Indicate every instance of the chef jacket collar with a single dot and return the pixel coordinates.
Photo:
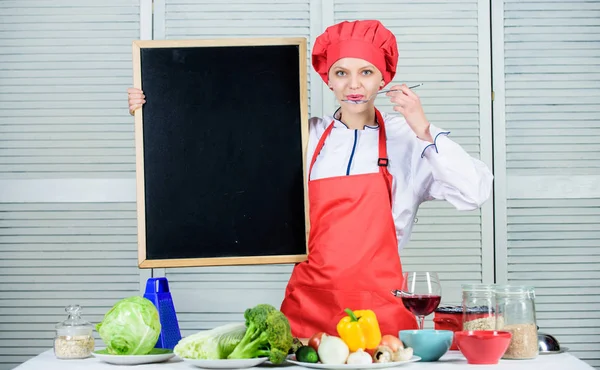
(337, 123)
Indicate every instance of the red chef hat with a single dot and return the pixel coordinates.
(368, 40)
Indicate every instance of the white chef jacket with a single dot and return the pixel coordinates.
(421, 170)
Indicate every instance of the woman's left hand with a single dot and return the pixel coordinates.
(409, 105)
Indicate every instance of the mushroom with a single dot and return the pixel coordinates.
(403, 354)
(383, 354)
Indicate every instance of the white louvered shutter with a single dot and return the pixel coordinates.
(439, 45)
(551, 77)
(64, 69)
(208, 296)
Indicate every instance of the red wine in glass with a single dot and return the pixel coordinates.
(421, 304)
(421, 293)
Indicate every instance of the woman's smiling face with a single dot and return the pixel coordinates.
(355, 79)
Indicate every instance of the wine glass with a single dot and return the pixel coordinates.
(421, 293)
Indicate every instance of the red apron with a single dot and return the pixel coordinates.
(353, 259)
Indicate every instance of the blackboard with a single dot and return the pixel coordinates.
(220, 152)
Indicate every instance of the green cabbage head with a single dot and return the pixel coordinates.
(130, 327)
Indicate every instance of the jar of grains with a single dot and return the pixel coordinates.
(73, 336)
(515, 308)
(478, 307)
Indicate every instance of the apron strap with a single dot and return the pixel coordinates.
(382, 161)
(319, 147)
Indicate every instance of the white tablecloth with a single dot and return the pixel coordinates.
(451, 360)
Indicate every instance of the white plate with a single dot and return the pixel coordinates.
(381, 365)
(157, 356)
(226, 364)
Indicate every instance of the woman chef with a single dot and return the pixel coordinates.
(367, 174)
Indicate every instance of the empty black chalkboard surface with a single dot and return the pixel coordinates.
(220, 149)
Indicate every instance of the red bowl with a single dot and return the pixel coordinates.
(483, 347)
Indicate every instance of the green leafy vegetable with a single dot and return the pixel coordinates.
(268, 334)
(212, 344)
(130, 327)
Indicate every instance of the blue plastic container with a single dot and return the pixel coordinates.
(157, 291)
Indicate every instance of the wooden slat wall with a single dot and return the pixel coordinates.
(64, 69)
(552, 71)
(552, 87)
(54, 255)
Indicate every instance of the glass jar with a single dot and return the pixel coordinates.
(73, 336)
(515, 308)
(478, 307)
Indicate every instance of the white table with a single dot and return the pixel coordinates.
(451, 360)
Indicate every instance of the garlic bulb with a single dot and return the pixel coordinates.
(359, 357)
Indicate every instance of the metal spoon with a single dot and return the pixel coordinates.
(400, 293)
(374, 95)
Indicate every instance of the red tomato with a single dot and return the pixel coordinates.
(391, 341)
(315, 340)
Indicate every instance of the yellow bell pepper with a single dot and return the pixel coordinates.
(359, 329)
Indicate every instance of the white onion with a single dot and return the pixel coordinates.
(333, 350)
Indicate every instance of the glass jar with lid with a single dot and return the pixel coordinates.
(74, 337)
(515, 308)
(478, 307)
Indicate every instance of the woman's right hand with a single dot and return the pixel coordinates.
(136, 99)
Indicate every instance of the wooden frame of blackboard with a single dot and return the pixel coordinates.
(138, 45)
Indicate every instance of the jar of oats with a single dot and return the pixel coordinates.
(515, 308)
(73, 336)
(478, 307)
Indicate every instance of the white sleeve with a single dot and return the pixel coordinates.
(444, 170)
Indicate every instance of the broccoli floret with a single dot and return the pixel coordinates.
(276, 356)
(296, 343)
(268, 334)
(258, 314)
